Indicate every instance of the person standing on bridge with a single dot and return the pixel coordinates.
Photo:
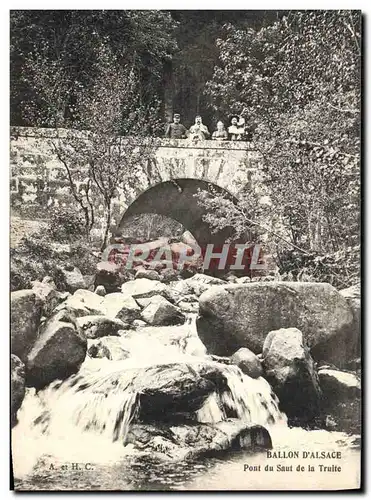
(199, 131)
(176, 130)
(220, 133)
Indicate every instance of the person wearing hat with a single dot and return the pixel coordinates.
(237, 129)
(176, 130)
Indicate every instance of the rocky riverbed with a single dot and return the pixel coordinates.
(195, 372)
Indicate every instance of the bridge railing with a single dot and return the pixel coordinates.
(60, 133)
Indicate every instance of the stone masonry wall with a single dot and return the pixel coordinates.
(38, 180)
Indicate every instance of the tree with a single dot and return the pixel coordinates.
(98, 160)
(68, 40)
(297, 82)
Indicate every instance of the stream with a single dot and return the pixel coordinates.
(69, 436)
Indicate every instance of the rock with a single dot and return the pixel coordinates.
(161, 312)
(231, 278)
(89, 280)
(144, 302)
(243, 280)
(58, 353)
(190, 441)
(353, 292)
(234, 316)
(64, 315)
(122, 307)
(83, 303)
(247, 362)
(91, 300)
(354, 364)
(138, 323)
(94, 327)
(188, 239)
(200, 283)
(353, 296)
(182, 288)
(101, 291)
(108, 347)
(178, 387)
(289, 369)
(164, 390)
(168, 275)
(109, 275)
(49, 296)
(149, 274)
(188, 306)
(339, 386)
(341, 400)
(25, 317)
(74, 279)
(221, 359)
(17, 387)
(49, 280)
(144, 288)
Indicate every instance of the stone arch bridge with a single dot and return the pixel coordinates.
(167, 185)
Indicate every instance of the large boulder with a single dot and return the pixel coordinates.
(25, 311)
(144, 288)
(289, 368)
(108, 347)
(17, 388)
(341, 400)
(94, 327)
(247, 362)
(234, 316)
(57, 353)
(161, 312)
(176, 388)
(164, 390)
(190, 441)
(122, 307)
(339, 386)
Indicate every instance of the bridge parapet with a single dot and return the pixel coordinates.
(38, 179)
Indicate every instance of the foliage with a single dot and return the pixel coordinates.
(97, 160)
(63, 46)
(66, 225)
(38, 256)
(297, 83)
(149, 227)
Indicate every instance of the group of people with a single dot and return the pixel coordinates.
(199, 132)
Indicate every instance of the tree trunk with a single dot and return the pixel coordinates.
(107, 228)
(168, 92)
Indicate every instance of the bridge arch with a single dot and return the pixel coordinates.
(176, 199)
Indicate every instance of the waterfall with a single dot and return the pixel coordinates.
(89, 414)
(250, 400)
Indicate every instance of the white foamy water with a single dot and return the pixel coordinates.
(86, 418)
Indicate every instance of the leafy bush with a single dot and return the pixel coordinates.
(38, 256)
(340, 269)
(66, 224)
